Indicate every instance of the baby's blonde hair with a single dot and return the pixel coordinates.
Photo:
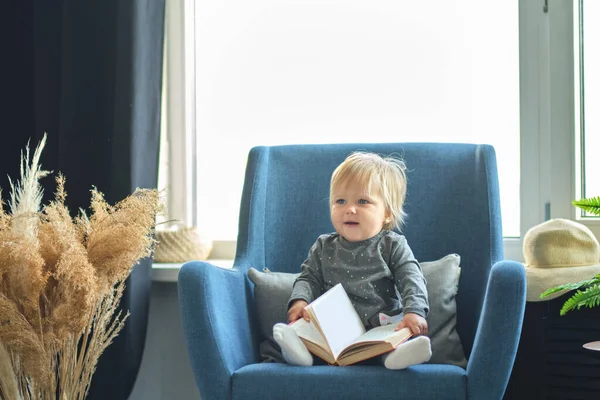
(386, 175)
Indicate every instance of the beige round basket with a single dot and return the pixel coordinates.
(183, 243)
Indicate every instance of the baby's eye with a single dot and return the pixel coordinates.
(363, 201)
(340, 201)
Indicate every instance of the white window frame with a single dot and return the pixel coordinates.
(178, 137)
(547, 136)
(590, 220)
(564, 84)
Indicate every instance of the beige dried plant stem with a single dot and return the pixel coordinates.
(26, 194)
(9, 388)
(61, 282)
(105, 329)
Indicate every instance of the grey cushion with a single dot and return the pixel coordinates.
(273, 289)
(442, 284)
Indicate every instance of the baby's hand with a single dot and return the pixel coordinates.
(415, 323)
(297, 311)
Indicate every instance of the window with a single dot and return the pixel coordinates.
(279, 71)
(587, 95)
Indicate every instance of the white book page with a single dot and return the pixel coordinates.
(381, 333)
(308, 331)
(337, 318)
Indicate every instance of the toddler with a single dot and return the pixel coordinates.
(374, 264)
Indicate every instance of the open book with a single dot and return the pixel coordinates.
(336, 334)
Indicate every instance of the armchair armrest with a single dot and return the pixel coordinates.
(499, 331)
(217, 325)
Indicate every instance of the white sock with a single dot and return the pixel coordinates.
(292, 348)
(412, 352)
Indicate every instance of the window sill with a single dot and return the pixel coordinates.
(168, 272)
(589, 221)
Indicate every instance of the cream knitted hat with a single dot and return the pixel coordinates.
(557, 252)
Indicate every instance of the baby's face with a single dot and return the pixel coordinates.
(355, 215)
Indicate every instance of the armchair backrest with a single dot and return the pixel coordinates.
(452, 204)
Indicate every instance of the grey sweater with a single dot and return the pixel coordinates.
(380, 275)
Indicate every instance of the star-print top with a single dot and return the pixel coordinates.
(380, 275)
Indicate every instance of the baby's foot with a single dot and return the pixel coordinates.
(292, 348)
(415, 351)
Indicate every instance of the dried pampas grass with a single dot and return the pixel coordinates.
(61, 281)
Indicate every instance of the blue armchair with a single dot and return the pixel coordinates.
(453, 206)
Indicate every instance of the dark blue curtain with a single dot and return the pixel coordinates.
(89, 74)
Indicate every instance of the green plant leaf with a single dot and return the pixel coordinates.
(591, 205)
(590, 297)
(571, 286)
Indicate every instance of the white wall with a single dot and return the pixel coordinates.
(165, 373)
